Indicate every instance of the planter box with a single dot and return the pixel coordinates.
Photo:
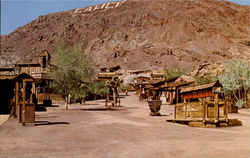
(155, 107)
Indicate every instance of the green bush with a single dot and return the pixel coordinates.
(236, 79)
(241, 104)
(205, 79)
(173, 73)
(98, 88)
(124, 87)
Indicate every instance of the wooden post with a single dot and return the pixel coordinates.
(31, 95)
(171, 96)
(23, 103)
(107, 99)
(175, 111)
(33, 88)
(186, 110)
(140, 91)
(226, 109)
(216, 108)
(204, 110)
(114, 96)
(47, 90)
(177, 95)
(119, 100)
(23, 92)
(17, 101)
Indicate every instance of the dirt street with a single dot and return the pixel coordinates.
(92, 131)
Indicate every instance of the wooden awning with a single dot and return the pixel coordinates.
(10, 77)
(201, 87)
(174, 84)
(108, 75)
(23, 76)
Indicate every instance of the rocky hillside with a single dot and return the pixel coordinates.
(139, 34)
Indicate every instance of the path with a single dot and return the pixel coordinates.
(91, 131)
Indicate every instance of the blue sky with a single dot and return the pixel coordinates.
(15, 13)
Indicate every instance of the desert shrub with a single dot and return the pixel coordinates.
(205, 79)
(241, 103)
(124, 87)
(173, 73)
(236, 79)
(98, 88)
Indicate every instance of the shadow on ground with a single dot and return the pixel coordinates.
(98, 109)
(89, 104)
(38, 116)
(42, 123)
(40, 108)
(104, 108)
(42, 105)
(133, 108)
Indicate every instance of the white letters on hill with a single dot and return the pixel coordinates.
(109, 5)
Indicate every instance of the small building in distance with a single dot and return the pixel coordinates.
(158, 76)
(105, 76)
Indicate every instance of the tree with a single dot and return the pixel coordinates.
(236, 79)
(124, 88)
(98, 89)
(80, 92)
(114, 85)
(71, 69)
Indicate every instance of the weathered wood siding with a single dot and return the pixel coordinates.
(195, 111)
(30, 70)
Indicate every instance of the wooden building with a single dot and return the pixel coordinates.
(105, 76)
(141, 79)
(17, 97)
(168, 87)
(158, 76)
(137, 72)
(172, 90)
(40, 72)
(6, 94)
(203, 105)
(6, 72)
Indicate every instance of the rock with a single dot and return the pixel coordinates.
(154, 34)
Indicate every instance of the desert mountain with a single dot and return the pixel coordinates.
(139, 34)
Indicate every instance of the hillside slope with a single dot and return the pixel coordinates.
(139, 34)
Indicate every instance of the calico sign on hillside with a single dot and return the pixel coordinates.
(109, 5)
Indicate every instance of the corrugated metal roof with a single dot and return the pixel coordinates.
(199, 87)
(174, 84)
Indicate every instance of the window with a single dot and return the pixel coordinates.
(44, 62)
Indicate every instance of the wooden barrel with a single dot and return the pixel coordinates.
(155, 107)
